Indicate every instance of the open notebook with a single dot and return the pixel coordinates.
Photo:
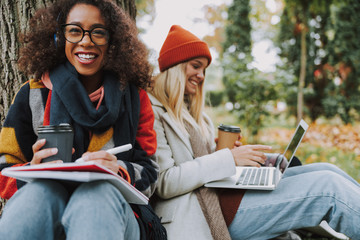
(75, 173)
(264, 178)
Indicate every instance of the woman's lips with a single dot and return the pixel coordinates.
(86, 58)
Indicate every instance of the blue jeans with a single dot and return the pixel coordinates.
(44, 209)
(304, 197)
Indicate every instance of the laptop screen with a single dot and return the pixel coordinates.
(294, 143)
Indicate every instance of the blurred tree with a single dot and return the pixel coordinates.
(324, 34)
(255, 99)
(297, 11)
(344, 59)
(250, 91)
(237, 45)
(216, 15)
(145, 9)
(14, 17)
(214, 98)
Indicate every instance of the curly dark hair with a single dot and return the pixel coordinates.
(126, 56)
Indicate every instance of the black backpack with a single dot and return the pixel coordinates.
(149, 223)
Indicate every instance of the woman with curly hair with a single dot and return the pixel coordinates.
(90, 71)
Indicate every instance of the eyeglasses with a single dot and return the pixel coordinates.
(74, 33)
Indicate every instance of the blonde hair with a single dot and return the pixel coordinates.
(169, 89)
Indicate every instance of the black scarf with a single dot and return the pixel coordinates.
(71, 104)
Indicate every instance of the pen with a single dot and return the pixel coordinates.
(113, 151)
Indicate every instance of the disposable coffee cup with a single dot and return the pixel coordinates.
(60, 137)
(227, 135)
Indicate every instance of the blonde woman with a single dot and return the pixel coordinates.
(186, 154)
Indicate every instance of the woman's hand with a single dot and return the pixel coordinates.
(238, 143)
(40, 154)
(250, 155)
(104, 158)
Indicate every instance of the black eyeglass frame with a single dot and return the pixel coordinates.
(63, 26)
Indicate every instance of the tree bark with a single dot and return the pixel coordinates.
(14, 18)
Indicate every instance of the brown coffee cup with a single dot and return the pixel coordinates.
(227, 135)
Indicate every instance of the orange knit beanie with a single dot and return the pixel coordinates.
(180, 46)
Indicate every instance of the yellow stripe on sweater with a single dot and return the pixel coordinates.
(10, 147)
(98, 141)
(36, 84)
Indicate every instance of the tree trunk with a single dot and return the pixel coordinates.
(303, 59)
(14, 18)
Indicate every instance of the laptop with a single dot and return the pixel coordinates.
(264, 178)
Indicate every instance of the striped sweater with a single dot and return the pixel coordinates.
(26, 114)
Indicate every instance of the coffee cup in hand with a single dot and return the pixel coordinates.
(60, 137)
(227, 135)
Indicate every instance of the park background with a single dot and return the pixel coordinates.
(274, 62)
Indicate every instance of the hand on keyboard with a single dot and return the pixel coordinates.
(250, 155)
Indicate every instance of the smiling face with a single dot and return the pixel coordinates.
(85, 56)
(195, 74)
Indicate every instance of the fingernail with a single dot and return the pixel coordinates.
(54, 150)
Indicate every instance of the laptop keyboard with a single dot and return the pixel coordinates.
(254, 176)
